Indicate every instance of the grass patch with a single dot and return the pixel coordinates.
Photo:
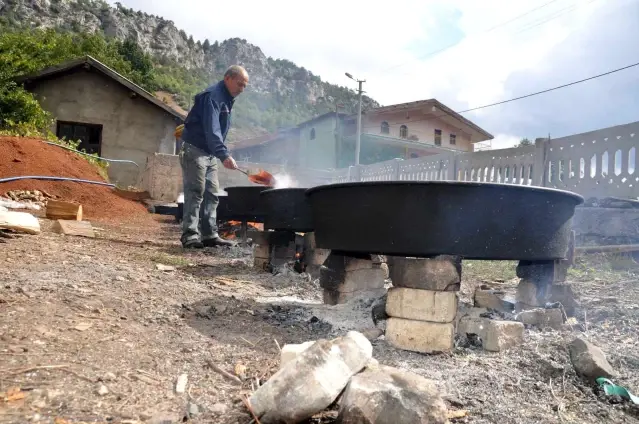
(166, 259)
(604, 266)
(489, 270)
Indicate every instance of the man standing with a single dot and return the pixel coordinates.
(204, 134)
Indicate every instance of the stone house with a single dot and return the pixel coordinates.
(108, 113)
(405, 131)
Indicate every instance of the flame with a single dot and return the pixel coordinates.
(231, 227)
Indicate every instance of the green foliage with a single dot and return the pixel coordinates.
(24, 50)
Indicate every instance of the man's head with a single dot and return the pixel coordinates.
(236, 79)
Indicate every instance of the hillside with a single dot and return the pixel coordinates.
(281, 93)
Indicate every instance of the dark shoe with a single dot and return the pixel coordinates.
(218, 241)
(193, 244)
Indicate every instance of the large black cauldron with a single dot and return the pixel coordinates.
(421, 219)
(243, 203)
(287, 209)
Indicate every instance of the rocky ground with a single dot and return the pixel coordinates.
(101, 330)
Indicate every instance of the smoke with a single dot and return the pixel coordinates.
(284, 181)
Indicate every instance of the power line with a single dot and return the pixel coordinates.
(508, 100)
(521, 97)
(440, 50)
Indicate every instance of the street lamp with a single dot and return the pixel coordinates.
(359, 117)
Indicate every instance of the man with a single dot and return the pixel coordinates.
(203, 136)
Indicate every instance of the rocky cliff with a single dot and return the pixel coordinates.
(276, 84)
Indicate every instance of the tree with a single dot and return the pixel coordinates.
(140, 61)
(207, 45)
(524, 142)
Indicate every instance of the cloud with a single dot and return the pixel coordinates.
(388, 44)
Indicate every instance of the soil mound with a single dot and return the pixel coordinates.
(31, 157)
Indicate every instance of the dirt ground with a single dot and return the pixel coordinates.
(92, 331)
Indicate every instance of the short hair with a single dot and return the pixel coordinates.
(235, 71)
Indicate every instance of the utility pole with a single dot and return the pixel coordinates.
(358, 138)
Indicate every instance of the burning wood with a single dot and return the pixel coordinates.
(230, 230)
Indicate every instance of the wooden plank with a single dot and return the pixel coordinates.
(57, 209)
(19, 221)
(74, 228)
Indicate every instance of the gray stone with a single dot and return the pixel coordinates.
(589, 360)
(311, 381)
(386, 395)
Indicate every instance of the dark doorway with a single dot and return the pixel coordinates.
(90, 135)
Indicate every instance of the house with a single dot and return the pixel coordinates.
(406, 131)
(111, 115)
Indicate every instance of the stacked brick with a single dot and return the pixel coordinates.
(343, 278)
(422, 304)
(313, 256)
(272, 248)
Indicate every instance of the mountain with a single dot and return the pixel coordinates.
(280, 94)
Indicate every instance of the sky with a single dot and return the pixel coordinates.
(464, 53)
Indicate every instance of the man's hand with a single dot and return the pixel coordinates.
(229, 163)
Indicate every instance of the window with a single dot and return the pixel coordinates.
(385, 128)
(403, 131)
(453, 139)
(438, 137)
(90, 135)
(312, 134)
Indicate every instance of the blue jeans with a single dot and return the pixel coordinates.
(200, 181)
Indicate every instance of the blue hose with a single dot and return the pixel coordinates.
(87, 154)
(77, 180)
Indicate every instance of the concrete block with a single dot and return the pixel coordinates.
(442, 273)
(260, 263)
(260, 251)
(526, 297)
(543, 318)
(564, 294)
(349, 281)
(421, 305)
(496, 335)
(420, 336)
(492, 299)
(335, 297)
(316, 256)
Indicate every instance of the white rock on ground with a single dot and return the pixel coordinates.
(290, 351)
(311, 381)
(386, 395)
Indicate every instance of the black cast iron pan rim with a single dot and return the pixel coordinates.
(281, 190)
(254, 187)
(543, 190)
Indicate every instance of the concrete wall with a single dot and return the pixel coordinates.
(132, 129)
(418, 124)
(320, 153)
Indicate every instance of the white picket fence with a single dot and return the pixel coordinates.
(599, 164)
(595, 164)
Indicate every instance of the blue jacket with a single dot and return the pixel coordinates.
(209, 120)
